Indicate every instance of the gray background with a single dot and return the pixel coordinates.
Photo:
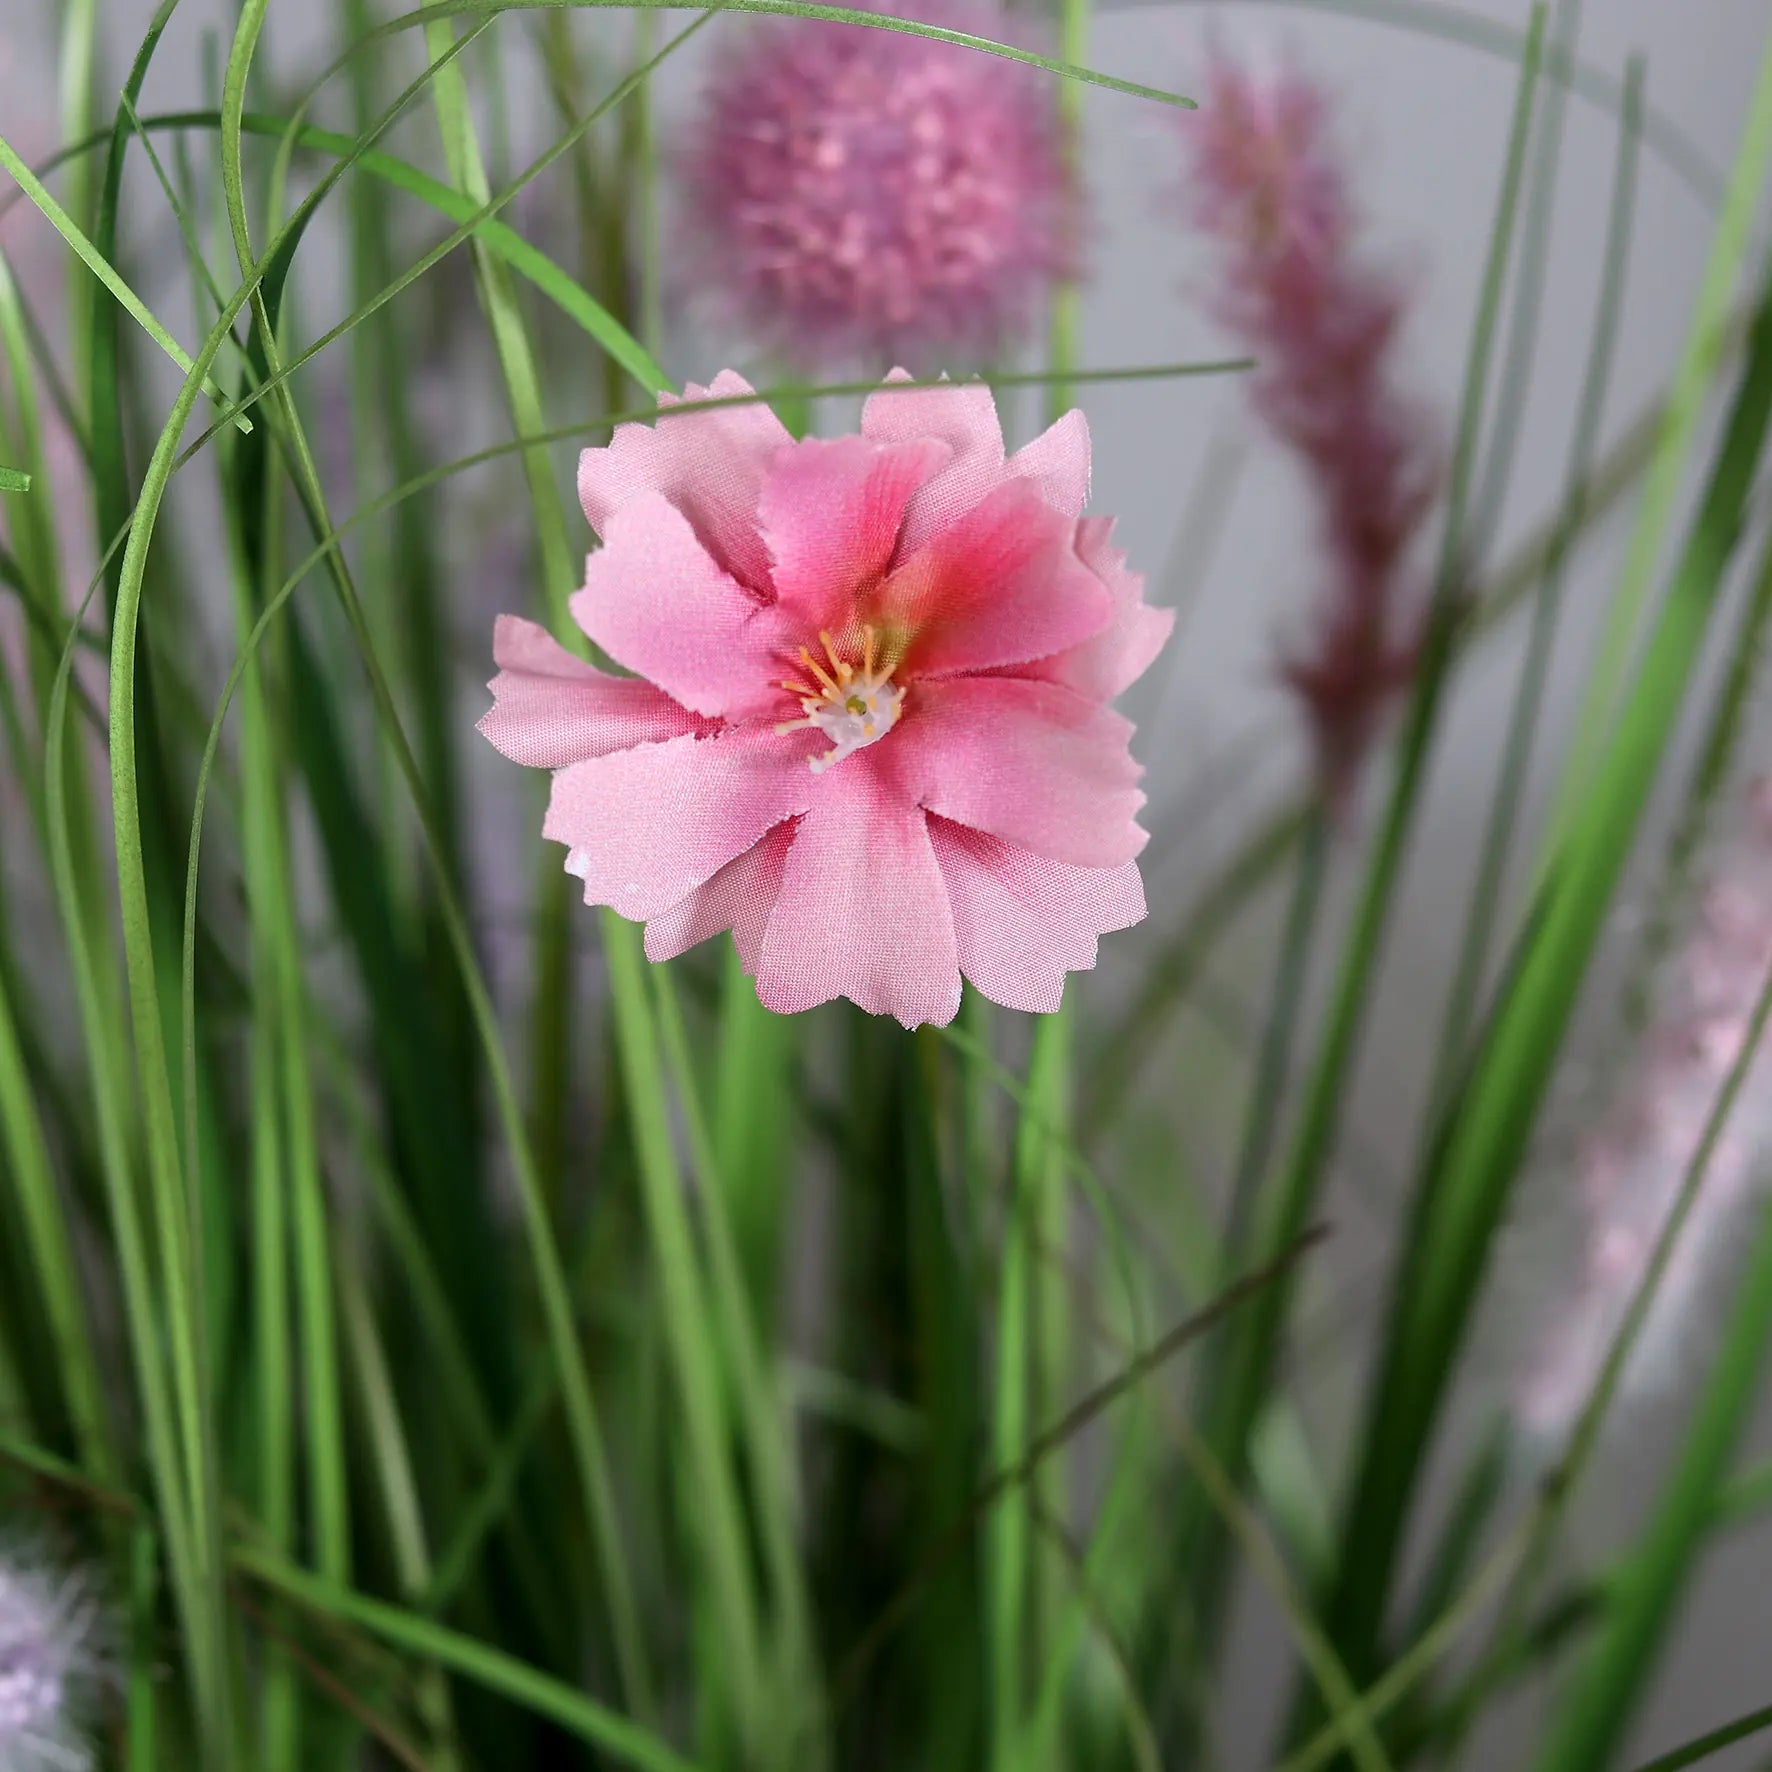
(1424, 125)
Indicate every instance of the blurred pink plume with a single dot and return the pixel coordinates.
(1633, 1164)
(862, 196)
(1267, 184)
(868, 728)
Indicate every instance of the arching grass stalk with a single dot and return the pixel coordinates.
(1288, 1204)
(1700, 364)
(1523, 717)
(1463, 1193)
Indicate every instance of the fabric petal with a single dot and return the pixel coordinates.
(657, 603)
(863, 912)
(1057, 462)
(831, 512)
(1032, 763)
(964, 416)
(551, 709)
(1002, 585)
(1114, 659)
(710, 465)
(646, 827)
(1021, 921)
(739, 897)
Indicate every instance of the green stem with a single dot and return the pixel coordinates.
(1699, 366)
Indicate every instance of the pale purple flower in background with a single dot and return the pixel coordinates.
(54, 1664)
(1632, 1165)
(862, 197)
(1267, 184)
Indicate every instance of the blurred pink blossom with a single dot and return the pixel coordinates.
(1323, 323)
(869, 729)
(1633, 1164)
(863, 196)
(54, 1664)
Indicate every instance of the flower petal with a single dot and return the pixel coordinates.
(646, 827)
(964, 416)
(1057, 461)
(710, 465)
(739, 897)
(1021, 921)
(1000, 586)
(1032, 763)
(863, 912)
(1120, 654)
(551, 709)
(831, 512)
(655, 602)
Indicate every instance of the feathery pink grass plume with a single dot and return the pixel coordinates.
(862, 196)
(869, 730)
(1633, 1164)
(54, 1665)
(1268, 185)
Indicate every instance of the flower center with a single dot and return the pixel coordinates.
(852, 706)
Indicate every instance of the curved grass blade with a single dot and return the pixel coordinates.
(1284, 1209)
(1662, 134)
(845, 15)
(1700, 363)
(624, 1741)
(1523, 717)
(1462, 1198)
(101, 268)
(1712, 1742)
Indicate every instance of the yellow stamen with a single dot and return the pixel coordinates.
(819, 672)
(794, 687)
(844, 669)
(867, 650)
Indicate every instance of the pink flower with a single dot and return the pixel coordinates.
(862, 195)
(1268, 185)
(1632, 1165)
(868, 729)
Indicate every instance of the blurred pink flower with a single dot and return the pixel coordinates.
(1268, 185)
(1633, 1164)
(55, 1664)
(868, 731)
(866, 196)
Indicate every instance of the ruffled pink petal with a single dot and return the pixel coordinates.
(1002, 585)
(1032, 763)
(964, 416)
(863, 912)
(646, 827)
(831, 512)
(1021, 921)
(1057, 461)
(656, 603)
(551, 709)
(739, 897)
(710, 465)
(1120, 654)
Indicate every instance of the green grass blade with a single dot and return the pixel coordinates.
(94, 260)
(1711, 1742)
(1612, 1681)
(1595, 85)
(51, 1251)
(626, 1742)
(1460, 1204)
(803, 9)
(1289, 1203)
(1693, 380)
(1522, 724)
